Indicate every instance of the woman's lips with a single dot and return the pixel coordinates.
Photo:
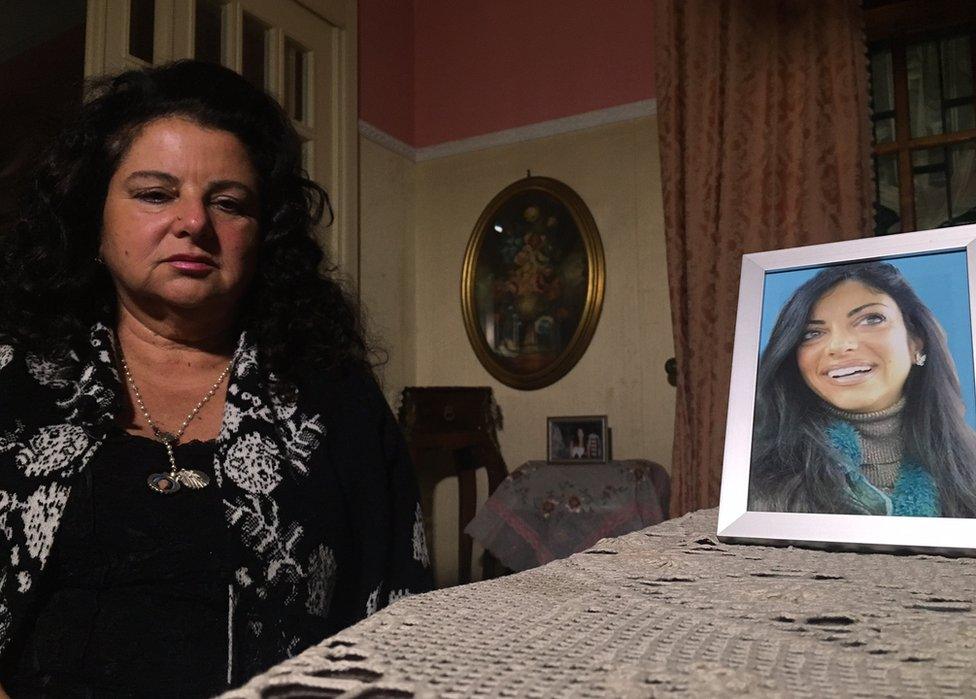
(849, 375)
(191, 266)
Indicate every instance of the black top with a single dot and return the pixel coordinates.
(137, 600)
(321, 524)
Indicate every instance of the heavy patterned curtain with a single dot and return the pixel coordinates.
(765, 143)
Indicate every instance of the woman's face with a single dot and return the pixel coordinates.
(856, 352)
(180, 221)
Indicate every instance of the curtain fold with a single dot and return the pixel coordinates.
(765, 135)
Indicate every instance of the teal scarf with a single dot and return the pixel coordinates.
(915, 494)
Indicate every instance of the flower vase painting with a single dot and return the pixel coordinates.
(532, 285)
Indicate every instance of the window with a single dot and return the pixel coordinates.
(924, 115)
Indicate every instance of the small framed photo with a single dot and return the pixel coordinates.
(577, 439)
(852, 405)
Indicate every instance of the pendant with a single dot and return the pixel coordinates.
(191, 478)
(164, 483)
(168, 483)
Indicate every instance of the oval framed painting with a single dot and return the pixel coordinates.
(532, 283)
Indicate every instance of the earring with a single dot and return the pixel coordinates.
(920, 358)
(99, 260)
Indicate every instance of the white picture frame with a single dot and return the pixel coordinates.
(736, 522)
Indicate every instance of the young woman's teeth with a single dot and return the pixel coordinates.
(847, 371)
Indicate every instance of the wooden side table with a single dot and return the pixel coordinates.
(460, 422)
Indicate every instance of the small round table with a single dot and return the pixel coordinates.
(545, 511)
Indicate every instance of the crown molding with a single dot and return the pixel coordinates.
(380, 137)
(531, 132)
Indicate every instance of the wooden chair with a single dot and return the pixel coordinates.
(459, 422)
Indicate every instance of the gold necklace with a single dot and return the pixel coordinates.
(168, 483)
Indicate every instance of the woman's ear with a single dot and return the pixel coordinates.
(916, 350)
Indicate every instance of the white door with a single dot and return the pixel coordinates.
(301, 51)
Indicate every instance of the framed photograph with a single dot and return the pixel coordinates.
(532, 283)
(577, 439)
(852, 406)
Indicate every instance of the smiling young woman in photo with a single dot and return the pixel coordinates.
(858, 406)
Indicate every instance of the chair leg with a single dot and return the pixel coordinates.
(488, 566)
(467, 497)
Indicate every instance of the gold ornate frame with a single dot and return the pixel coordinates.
(596, 274)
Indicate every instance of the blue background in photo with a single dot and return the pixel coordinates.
(939, 279)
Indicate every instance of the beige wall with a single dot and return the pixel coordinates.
(386, 205)
(616, 170)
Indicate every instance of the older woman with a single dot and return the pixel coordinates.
(858, 406)
(198, 474)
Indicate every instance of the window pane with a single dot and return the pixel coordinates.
(254, 51)
(957, 83)
(957, 68)
(962, 192)
(929, 174)
(882, 81)
(882, 96)
(960, 118)
(884, 130)
(296, 72)
(887, 209)
(924, 90)
(142, 23)
(209, 31)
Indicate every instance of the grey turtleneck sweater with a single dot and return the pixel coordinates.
(880, 435)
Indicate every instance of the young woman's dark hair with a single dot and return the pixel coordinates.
(52, 289)
(796, 468)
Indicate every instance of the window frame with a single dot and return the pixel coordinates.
(896, 26)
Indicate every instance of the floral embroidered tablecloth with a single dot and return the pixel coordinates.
(544, 511)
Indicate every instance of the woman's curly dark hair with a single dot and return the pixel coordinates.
(52, 289)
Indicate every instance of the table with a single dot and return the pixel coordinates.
(668, 611)
(457, 422)
(544, 511)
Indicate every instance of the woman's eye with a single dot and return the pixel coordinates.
(153, 196)
(231, 206)
(872, 319)
(810, 335)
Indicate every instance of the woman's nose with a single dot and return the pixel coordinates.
(191, 218)
(841, 341)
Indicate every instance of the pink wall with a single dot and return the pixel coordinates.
(386, 66)
(481, 66)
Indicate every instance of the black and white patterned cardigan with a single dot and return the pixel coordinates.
(276, 452)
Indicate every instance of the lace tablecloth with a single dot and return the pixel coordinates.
(665, 612)
(543, 511)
